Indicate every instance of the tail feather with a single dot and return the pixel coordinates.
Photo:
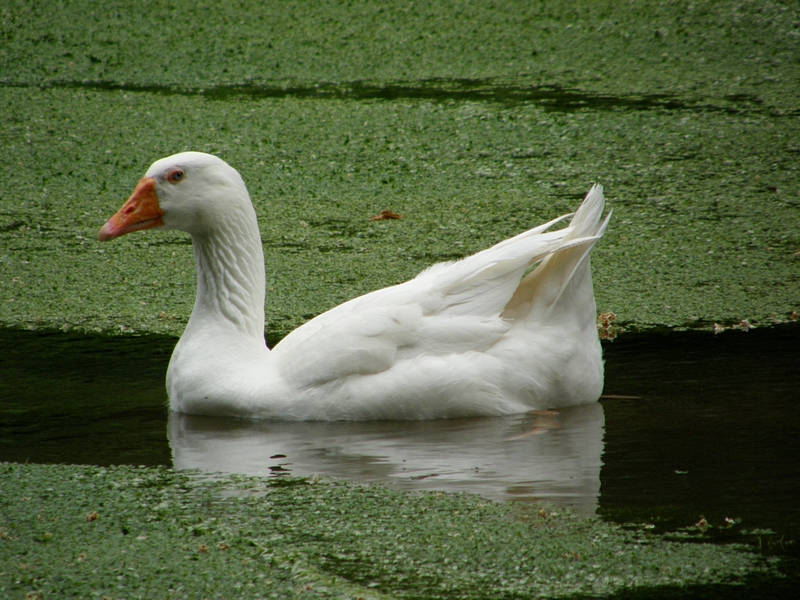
(543, 288)
(586, 221)
(491, 282)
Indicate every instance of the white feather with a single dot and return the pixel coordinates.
(472, 337)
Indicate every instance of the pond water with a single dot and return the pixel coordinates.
(692, 425)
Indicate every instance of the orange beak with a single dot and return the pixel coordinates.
(141, 211)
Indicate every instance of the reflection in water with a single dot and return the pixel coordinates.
(544, 455)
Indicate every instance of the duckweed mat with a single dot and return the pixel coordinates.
(126, 532)
(684, 249)
(472, 121)
(734, 52)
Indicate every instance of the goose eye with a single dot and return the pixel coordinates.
(176, 176)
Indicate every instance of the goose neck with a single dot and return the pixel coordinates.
(230, 280)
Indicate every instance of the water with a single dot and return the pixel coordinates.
(700, 425)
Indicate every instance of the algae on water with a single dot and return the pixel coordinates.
(704, 227)
(475, 121)
(142, 533)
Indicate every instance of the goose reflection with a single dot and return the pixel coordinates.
(542, 455)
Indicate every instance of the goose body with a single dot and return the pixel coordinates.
(467, 338)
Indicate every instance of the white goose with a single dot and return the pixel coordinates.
(466, 338)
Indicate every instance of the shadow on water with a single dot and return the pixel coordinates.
(549, 97)
(716, 432)
(83, 399)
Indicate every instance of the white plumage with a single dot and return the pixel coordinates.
(472, 337)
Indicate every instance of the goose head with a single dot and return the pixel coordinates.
(190, 191)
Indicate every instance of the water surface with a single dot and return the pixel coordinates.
(707, 425)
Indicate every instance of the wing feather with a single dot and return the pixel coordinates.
(450, 308)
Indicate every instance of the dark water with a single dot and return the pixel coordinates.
(710, 427)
